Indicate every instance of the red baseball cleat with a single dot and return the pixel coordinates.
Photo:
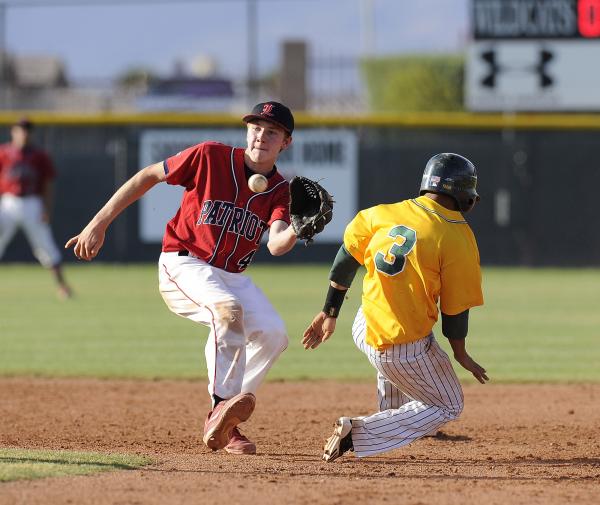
(239, 444)
(218, 428)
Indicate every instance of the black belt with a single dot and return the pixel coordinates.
(183, 253)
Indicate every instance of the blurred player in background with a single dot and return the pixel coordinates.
(26, 174)
(207, 245)
(417, 253)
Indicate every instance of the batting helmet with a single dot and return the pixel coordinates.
(453, 175)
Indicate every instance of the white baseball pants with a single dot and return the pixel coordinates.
(418, 392)
(246, 333)
(26, 212)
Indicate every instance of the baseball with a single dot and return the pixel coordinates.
(258, 183)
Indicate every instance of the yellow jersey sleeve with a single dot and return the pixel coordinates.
(357, 235)
(460, 272)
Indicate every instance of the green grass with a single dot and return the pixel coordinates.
(538, 325)
(25, 464)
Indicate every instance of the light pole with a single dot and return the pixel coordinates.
(368, 27)
(3, 57)
(252, 50)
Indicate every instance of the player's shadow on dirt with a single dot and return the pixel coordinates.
(444, 437)
(440, 436)
(513, 463)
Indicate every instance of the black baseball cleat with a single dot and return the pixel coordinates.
(341, 440)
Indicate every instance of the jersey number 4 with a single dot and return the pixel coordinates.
(246, 260)
(396, 252)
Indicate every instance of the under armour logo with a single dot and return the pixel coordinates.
(539, 68)
(267, 109)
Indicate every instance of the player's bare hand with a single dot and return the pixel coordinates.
(321, 328)
(88, 243)
(472, 366)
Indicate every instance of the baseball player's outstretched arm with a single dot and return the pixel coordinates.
(282, 238)
(321, 328)
(87, 244)
(341, 276)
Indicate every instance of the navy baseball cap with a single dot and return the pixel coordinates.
(24, 123)
(274, 112)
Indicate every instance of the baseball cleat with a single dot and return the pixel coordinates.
(341, 440)
(239, 444)
(225, 417)
(64, 292)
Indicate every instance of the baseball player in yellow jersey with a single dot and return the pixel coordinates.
(417, 253)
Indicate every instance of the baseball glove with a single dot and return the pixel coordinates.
(311, 208)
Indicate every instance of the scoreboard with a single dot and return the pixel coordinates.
(534, 55)
(536, 19)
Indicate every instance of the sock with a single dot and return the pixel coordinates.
(217, 400)
(346, 443)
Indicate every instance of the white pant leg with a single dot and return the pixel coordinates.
(9, 220)
(194, 289)
(266, 336)
(388, 395)
(423, 372)
(38, 232)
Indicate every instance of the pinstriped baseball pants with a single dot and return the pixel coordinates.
(418, 392)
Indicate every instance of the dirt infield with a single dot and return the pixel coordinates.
(514, 444)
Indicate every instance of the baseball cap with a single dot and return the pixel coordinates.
(24, 123)
(274, 112)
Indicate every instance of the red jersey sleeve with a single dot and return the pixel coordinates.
(181, 169)
(45, 166)
(2, 165)
(281, 207)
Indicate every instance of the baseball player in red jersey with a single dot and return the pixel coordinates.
(26, 174)
(206, 247)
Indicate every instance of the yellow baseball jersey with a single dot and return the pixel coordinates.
(416, 253)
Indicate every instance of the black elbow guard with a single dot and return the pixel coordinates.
(455, 327)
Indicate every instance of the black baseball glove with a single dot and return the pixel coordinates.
(311, 208)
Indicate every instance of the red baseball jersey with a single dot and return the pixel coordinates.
(24, 172)
(220, 219)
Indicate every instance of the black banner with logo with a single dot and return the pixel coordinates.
(535, 19)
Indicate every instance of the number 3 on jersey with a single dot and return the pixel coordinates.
(396, 251)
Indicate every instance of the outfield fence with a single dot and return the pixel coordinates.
(537, 176)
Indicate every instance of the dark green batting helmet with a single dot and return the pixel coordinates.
(454, 175)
